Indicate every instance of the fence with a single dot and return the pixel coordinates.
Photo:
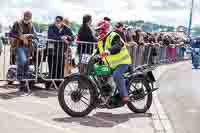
(52, 60)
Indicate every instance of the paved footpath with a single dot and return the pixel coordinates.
(41, 113)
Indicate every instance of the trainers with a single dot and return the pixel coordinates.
(22, 93)
(22, 87)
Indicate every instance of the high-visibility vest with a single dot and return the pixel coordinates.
(115, 60)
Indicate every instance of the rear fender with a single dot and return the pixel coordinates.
(148, 76)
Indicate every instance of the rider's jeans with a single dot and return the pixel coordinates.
(22, 62)
(119, 79)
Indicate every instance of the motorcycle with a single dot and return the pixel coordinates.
(97, 89)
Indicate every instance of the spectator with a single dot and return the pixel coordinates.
(69, 62)
(1, 39)
(62, 36)
(131, 43)
(22, 33)
(1, 46)
(130, 35)
(139, 39)
(85, 34)
(119, 28)
(171, 52)
(163, 49)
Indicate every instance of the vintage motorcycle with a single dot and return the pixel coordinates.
(81, 93)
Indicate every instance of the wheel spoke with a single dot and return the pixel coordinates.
(85, 98)
(77, 106)
(70, 87)
(77, 96)
(84, 102)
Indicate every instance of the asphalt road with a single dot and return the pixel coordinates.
(177, 101)
(41, 113)
(180, 96)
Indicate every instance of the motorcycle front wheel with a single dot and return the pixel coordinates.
(77, 96)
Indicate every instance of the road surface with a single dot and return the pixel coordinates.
(180, 96)
(175, 109)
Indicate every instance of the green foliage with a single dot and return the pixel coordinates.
(196, 31)
(149, 26)
(74, 26)
(40, 27)
(146, 26)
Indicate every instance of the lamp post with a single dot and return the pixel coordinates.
(190, 20)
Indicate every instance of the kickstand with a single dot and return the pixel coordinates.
(56, 86)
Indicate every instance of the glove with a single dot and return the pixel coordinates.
(105, 54)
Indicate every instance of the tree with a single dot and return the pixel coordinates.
(40, 27)
(196, 31)
(170, 29)
(74, 26)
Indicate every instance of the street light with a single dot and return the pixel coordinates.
(190, 20)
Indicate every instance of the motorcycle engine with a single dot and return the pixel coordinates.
(106, 88)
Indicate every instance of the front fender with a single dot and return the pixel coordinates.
(85, 78)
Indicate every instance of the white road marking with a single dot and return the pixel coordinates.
(35, 120)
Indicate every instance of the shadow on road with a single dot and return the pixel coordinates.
(12, 92)
(45, 93)
(102, 119)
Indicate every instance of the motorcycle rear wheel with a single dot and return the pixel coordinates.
(141, 96)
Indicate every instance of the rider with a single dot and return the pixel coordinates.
(115, 54)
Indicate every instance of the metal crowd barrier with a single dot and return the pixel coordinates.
(52, 60)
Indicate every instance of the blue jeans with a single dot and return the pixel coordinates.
(119, 79)
(22, 62)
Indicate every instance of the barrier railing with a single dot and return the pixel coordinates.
(52, 60)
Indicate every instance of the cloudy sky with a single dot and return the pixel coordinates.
(169, 12)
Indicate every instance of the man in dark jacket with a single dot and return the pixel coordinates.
(60, 35)
(22, 33)
(120, 29)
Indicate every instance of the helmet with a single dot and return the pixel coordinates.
(103, 28)
(103, 25)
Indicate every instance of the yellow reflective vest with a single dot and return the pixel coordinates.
(115, 60)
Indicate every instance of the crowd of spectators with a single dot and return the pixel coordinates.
(144, 47)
